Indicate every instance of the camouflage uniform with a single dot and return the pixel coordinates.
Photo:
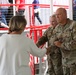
(54, 57)
(67, 35)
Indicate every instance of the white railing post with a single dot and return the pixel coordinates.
(14, 13)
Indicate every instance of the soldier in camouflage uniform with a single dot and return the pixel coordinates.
(54, 57)
(65, 39)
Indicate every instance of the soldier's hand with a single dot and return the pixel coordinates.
(57, 43)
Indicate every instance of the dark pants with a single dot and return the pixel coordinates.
(3, 14)
(37, 16)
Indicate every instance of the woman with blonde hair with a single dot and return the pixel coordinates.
(15, 49)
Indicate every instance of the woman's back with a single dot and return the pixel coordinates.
(15, 51)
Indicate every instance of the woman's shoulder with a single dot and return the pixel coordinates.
(27, 39)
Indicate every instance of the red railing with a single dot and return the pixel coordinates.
(36, 30)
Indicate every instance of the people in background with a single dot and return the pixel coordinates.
(15, 49)
(65, 33)
(54, 57)
(4, 11)
(20, 8)
(36, 11)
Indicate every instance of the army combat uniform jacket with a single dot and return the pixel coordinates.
(54, 57)
(67, 35)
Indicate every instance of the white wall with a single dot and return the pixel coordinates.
(64, 3)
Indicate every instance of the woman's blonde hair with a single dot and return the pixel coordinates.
(17, 23)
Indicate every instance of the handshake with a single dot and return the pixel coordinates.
(48, 50)
(57, 44)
